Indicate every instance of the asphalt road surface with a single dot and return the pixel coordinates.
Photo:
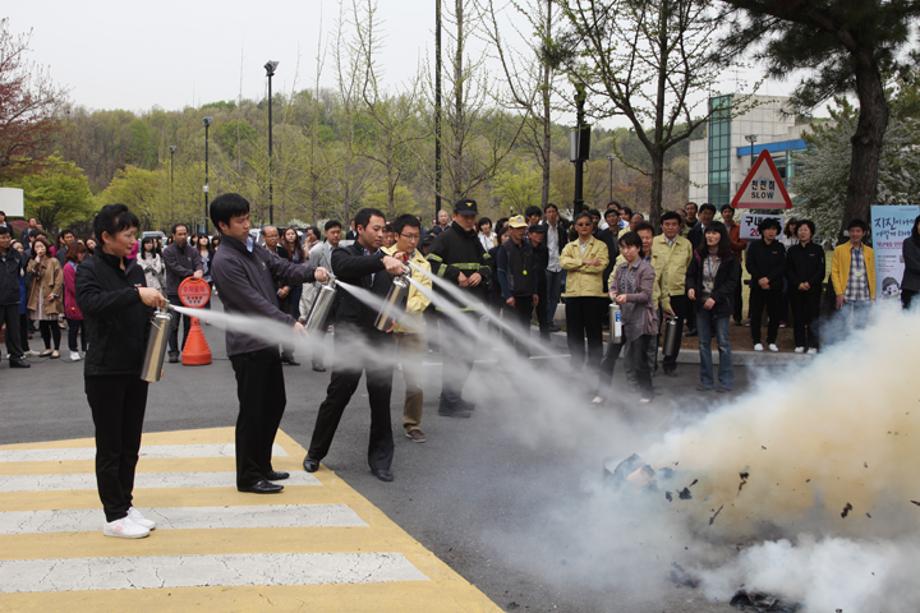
(488, 495)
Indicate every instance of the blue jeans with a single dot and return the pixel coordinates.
(706, 324)
(856, 314)
(554, 281)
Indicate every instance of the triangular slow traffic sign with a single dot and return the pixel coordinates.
(762, 188)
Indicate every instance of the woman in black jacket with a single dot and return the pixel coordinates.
(805, 272)
(910, 284)
(116, 309)
(712, 276)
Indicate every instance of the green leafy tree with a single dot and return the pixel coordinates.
(58, 195)
(144, 191)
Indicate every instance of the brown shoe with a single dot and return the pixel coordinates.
(416, 436)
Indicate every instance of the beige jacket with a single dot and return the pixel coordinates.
(47, 280)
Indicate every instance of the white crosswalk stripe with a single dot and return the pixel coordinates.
(86, 481)
(72, 454)
(148, 572)
(185, 518)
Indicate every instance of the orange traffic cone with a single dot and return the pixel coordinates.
(196, 351)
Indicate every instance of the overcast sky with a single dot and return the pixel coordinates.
(136, 55)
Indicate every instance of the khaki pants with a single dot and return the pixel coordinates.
(411, 349)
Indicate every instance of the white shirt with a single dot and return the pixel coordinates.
(552, 245)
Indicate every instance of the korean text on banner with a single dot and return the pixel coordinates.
(891, 224)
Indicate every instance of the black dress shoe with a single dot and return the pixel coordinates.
(384, 474)
(318, 368)
(290, 362)
(277, 475)
(20, 363)
(310, 465)
(173, 358)
(262, 487)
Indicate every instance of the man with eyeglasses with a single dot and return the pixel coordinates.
(410, 343)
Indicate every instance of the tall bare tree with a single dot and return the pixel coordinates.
(529, 74)
(395, 116)
(651, 61)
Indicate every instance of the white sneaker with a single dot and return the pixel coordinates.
(800, 349)
(772, 347)
(645, 400)
(135, 516)
(597, 400)
(124, 528)
(758, 347)
(812, 351)
(75, 356)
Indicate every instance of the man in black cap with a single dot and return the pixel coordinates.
(458, 256)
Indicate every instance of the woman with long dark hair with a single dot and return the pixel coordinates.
(910, 284)
(151, 262)
(76, 253)
(712, 276)
(45, 295)
(290, 248)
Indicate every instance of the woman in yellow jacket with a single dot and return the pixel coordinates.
(584, 261)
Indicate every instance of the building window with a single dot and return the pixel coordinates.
(720, 119)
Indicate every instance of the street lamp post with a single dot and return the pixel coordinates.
(751, 138)
(207, 124)
(437, 107)
(579, 146)
(172, 200)
(270, 67)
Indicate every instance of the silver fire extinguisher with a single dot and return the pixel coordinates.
(671, 339)
(394, 304)
(322, 304)
(152, 370)
(616, 323)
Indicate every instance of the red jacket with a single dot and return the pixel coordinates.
(71, 308)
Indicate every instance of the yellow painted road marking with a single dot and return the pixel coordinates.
(442, 590)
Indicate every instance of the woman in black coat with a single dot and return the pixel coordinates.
(116, 309)
(910, 284)
(805, 272)
(712, 276)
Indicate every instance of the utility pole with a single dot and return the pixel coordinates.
(172, 200)
(437, 107)
(610, 177)
(207, 124)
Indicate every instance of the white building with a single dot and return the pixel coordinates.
(721, 159)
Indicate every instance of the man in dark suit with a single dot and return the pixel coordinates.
(363, 264)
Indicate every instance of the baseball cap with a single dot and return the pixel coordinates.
(466, 206)
(517, 222)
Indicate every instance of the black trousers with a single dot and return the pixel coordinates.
(24, 332)
(907, 296)
(50, 331)
(806, 306)
(118, 403)
(636, 355)
(173, 341)
(456, 364)
(737, 306)
(681, 307)
(260, 390)
(74, 328)
(523, 312)
(9, 315)
(584, 319)
(774, 301)
(342, 386)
